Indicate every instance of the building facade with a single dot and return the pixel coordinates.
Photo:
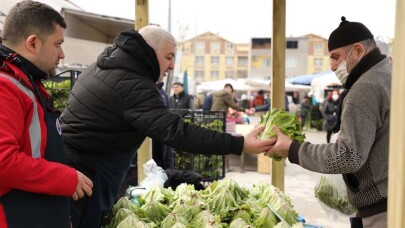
(209, 57)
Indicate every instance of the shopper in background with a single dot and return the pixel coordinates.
(330, 110)
(222, 100)
(180, 99)
(360, 152)
(305, 110)
(114, 105)
(34, 183)
(259, 99)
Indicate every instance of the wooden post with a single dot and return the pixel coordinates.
(278, 45)
(145, 151)
(396, 180)
(141, 13)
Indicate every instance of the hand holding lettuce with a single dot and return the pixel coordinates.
(286, 122)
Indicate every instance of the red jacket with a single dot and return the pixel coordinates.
(19, 168)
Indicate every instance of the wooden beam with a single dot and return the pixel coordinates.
(396, 178)
(141, 13)
(278, 45)
(145, 151)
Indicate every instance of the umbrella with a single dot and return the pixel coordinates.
(185, 81)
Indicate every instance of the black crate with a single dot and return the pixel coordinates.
(210, 167)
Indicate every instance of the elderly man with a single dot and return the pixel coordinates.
(360, 152)
(115, 104)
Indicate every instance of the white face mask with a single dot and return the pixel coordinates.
(335, 97)
(341, 71)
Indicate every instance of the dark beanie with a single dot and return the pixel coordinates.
(348, 33)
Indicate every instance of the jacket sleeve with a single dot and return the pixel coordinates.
(231, 103)
(146, 113)
(351, 150)
(18, 169)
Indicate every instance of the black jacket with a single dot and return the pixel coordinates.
(115, 104)
(182, 101)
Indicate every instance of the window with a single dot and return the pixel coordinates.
(318, 47)
(200, 45)
(242, 61)
(199, 74)
(266, 62)
(228, 74)
(214, 74)
(242, 74)
(318, 62)
(214, 60)
(199, 59)
(214, 45)
(292, 44)
(229, 61)
(229, 46)
(291, 63)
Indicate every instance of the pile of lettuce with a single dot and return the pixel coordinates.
(288, 124)
(222, 204)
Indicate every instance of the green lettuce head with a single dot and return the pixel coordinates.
(288, 124)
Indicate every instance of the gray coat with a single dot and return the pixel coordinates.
(361, 150)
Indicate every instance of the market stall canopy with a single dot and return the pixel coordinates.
(306, 79)
(326, 80)
(217, 85)
(258, 84)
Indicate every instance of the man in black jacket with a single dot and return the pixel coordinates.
(181, 99)
(114, 105)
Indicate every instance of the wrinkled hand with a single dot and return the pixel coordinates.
(84, 186)
(282, 145)
(254, 145)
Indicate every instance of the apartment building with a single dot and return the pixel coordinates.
(209, 57)
(304, 55)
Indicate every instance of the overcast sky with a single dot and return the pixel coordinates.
(239, 20)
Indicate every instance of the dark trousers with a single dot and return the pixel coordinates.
(328, 135)
(107, 173)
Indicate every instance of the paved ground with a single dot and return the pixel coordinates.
(299, 185)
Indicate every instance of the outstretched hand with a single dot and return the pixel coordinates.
(254, 145)
(282, 145)
(84, 186)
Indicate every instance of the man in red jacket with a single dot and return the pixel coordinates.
(34, 184)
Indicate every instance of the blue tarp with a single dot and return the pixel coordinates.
(306, 79)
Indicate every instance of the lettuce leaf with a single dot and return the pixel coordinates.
(288, 124)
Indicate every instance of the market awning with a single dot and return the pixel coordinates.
(94, 24)
(306, 79)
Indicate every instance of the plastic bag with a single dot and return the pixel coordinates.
(155, 175)
(332, 195)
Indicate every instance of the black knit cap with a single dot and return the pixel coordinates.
(348, 33)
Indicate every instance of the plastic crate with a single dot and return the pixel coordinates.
(210, 167)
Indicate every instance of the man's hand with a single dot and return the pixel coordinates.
(254, 145)
(84, 186)
(281, 147)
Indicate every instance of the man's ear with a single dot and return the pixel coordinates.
(32, 44)
(359, 49)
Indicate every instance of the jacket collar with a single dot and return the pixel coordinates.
(8, 55)
(371, 59)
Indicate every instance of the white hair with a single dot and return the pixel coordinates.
(156, 36)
